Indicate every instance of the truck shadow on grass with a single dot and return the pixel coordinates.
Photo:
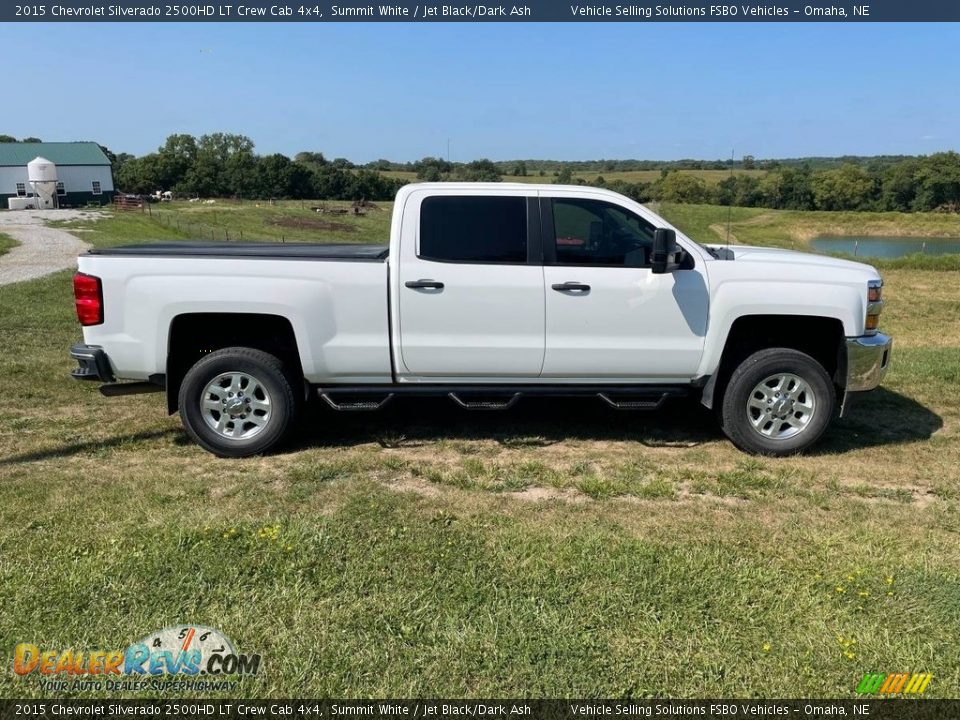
(533, 422)
(882, 417)
(88, 446)
(875, 419)
(879, 418)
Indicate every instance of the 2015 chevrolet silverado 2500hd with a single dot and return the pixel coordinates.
(486, 293)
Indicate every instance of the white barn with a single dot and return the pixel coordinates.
(83, 171)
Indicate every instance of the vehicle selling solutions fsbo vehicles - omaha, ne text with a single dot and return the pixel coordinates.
(486, 293)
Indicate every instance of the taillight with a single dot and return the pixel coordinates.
(88, 296)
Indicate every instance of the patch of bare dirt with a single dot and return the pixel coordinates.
(312, 224)
(721, 232)
(546, 494)
(685, 494)
(420, 487)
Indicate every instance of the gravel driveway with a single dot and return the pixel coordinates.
(42, 250)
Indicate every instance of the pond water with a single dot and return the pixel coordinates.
(886, 247)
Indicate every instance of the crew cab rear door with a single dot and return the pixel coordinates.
(470, 294)
(608, 315)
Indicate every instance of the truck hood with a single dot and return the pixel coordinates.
(752, 253)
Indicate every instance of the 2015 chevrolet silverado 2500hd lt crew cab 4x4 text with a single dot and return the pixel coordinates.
(485, 293)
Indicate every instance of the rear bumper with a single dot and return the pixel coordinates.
(92, 363)
(868, 358)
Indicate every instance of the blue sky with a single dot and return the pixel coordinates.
(562, 91)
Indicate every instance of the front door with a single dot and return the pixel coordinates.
(470, 291)
(607, 315)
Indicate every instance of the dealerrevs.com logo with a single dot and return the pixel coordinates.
(181, 657)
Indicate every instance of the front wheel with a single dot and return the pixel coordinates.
(778, 402)
(237, 402)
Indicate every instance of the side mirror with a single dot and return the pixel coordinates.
(667, 255)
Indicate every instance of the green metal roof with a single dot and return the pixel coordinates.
(59, 153)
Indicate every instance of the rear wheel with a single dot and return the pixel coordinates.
(778, 402)
(237, 402)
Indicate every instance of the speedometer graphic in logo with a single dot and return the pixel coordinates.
(184, 638)
(186, 649)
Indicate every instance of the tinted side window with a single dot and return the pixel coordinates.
(594, 232)
(474, 229)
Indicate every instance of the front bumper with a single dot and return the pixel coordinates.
(93, 363)
(868, 358)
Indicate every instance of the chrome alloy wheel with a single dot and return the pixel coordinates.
(781, 406)
(235, 405)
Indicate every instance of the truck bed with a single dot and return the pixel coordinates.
(333, 296)
(274, 251)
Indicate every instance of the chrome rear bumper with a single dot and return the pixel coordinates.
(868, 358)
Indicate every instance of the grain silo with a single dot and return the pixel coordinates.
(42, 176)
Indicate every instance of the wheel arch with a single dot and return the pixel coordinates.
(193, 335)
(821, 337)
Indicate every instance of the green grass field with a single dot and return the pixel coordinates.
(7, 243)
(281, 221)
(560, 549)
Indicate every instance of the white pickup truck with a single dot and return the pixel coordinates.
(487, 292)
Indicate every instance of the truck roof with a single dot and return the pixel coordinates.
(528, 188)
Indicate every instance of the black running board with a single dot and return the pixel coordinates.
(487, 402)
(635, 403)
(358, 403)
(498, 397)
(130, 388)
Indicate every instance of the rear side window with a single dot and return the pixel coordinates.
(473, 229)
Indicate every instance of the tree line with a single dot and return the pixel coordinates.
(746, 162)
(12, 139)
(905, 184)
(226, 165)
(919, 184)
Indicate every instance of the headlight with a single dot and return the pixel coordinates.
(874, 306)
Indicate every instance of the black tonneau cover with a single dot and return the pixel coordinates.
(300, 251)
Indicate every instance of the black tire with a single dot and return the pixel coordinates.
(799, 429)
(264, 418)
